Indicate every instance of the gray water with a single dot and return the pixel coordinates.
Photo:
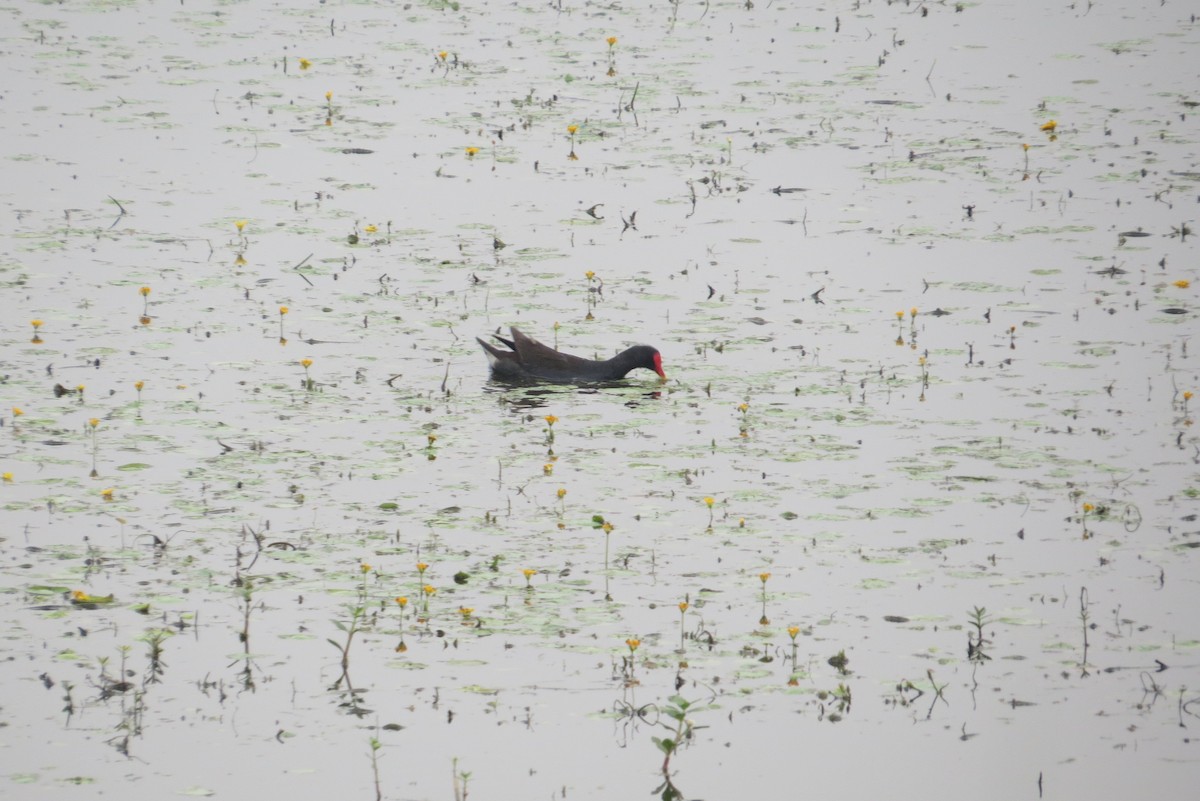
(774, 189)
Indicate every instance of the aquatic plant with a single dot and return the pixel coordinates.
(678, 709)
(976, 644)
(402, 602)
(357, 614)
(154, 645)
(529, 573)
(376, 745)
(683, 607)
(94, 423)
(308, 382)
(461, 779)
(764, 577)
(571, 131)
(627, 661)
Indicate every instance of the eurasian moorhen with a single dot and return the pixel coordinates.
(528, 358)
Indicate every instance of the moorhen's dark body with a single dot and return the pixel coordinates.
(526, 358)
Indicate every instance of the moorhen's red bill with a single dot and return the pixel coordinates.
(527, 358)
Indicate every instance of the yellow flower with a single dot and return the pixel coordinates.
(921, 360)
(240, 261)
(547, 468)
(1087, 507)
(612, 41)
(793, 631)
(305, 63)
(364, 567)
(743, 407)
(471, 151)
(429, 589)
(7, 477)
(306, 362)
(763, 577)
(36, 323)
(590, 275)
(741, 522)
(1187, 395)
(239, 224)
(633, 644)
(529, 573)
(145, 291)
(283, 310)
(17, 412)
(683, 606)
(370, 229)
(1049, 125)
(329, 95)
(421, 567)
(138, 385)
(709, 502)
(95, 421)
(571, 129)
(551, 419)
(913, 311)
(608, 527)
(107, 494)
(79, 387)
(81, 597)
(442, 55)
(899, 315)
(465, 611)
(403, 601)
(1025, 146)
(1183, 283)
(562, 493)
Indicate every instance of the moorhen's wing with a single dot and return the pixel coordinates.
(543, 360)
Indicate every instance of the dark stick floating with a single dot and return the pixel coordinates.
(527, 358)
